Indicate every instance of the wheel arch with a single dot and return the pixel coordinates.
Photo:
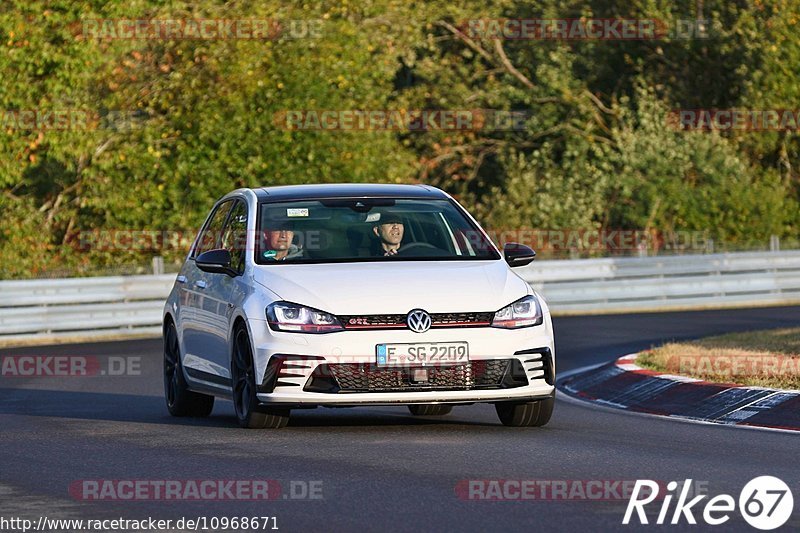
(238, 321)
(168, 318)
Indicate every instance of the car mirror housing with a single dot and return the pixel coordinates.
(216, 262)
(518, 254)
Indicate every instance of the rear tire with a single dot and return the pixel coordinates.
(529, 414)
(430, 410)
(180, 400)
(249, 413)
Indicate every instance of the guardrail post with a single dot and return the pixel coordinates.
(774, 243)
(158, 265)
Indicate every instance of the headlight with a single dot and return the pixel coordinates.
(523, 313)
(285, 316)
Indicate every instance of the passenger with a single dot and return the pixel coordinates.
(278, 244)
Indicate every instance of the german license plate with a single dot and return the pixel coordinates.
(422, 353)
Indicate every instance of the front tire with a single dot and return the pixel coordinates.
(529, 414)
(248, 411)
(430, 410)
(180, 400)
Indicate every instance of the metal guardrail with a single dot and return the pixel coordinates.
(664, 283)
(121, 305)
(82, 307)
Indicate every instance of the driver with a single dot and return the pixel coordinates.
(389, 229)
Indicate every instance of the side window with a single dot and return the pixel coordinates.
(234, 237)
(209, 237)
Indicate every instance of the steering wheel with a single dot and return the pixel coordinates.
(403, 250)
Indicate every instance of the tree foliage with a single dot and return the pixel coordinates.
(181, 122)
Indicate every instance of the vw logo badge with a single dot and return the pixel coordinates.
(418, 321)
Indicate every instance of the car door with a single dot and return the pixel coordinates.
(199, 319)
(224, 292)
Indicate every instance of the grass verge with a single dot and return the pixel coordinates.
(767, 358)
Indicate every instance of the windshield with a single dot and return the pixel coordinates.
(373, 229)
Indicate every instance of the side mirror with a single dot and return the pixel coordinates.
(518, 254)
(216, 262)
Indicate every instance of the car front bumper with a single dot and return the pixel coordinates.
(309, 399)
(303, 355)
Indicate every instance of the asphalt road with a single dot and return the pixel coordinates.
(378, 468)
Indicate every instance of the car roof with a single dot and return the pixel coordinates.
(346, 190)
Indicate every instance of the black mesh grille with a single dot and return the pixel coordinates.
(474, 319)
(360, 377)
(439, 320)
(371, 321)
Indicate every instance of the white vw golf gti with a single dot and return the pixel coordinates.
(344, 295)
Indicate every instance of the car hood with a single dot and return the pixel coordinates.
(396, 287)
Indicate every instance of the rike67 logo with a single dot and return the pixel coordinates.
(765, 503)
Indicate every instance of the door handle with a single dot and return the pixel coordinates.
(181, 279)
(200, 284)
